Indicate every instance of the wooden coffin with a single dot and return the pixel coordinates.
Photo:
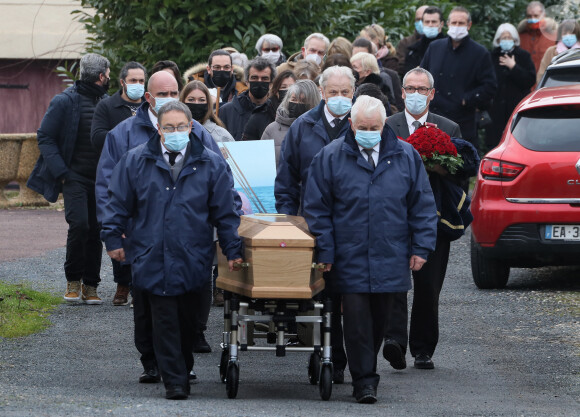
(278, 259)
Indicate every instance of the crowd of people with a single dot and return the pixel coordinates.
(141, 171)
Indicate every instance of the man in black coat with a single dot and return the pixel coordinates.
(68, 164)
(108, 114)
(432, 23)
(463, 72)
(418, 92)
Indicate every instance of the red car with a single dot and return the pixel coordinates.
(526, 202)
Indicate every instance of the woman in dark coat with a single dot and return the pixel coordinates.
(515, 73)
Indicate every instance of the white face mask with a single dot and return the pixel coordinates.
(271, 56)
(457, 32)
(313, 57)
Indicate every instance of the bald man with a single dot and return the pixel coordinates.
(403, 46)
(130, 133)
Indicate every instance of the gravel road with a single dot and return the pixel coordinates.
(509, 352)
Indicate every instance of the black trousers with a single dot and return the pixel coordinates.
(428, 282)
(203, 305)
(339, 358)
(143, 328)
(173, 326)
(364, 326)
(83, 245)
(121, 273)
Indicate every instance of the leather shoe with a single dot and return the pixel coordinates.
(367, 394)
(176, 392)
(192, 375)
(200, 345)
(423, 361)
(338, 376)
(150, 376)
(393, 352)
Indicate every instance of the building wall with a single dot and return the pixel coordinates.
(23, 108)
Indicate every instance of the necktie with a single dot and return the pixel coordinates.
(416, 124)
(172, 156)
(369, 153)
(336, 122)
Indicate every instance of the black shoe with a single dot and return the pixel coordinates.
(192, 375)
(150, 376)
(423, 361)
(338, 376)
(393, 352)
(176, 392)
(366, 395)
(200, 345)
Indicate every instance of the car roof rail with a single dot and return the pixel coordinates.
(566, 56)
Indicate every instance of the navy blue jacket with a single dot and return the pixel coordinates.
(305, 138)
(369, 223)
(465, 73)
(56, 137)
(127, 135)
(236, 114)
(170, 236)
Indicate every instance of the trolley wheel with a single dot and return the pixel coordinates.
(325, 383)
(232, 379)
(314, 368)
(224, 363)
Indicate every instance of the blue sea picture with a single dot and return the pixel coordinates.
(253, 165)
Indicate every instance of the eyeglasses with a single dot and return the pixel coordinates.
(422, 90)
(171, 129)
(271, 49)
(220, 68)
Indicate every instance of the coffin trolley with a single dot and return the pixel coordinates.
(275, 291)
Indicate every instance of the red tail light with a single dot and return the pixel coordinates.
(492, 169)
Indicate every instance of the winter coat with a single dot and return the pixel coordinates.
(108, 114)
(277, 130)
(56, 137)
(218, 133)
(169, 240)
(233, 88)
(416, 51)
(402, 49)
(128, 135)
(369, 223)
(305, 138)
(390, 59)
(536, 41)
(261, 117)
(512, 86)
(290, 63)
(236, 114)
(379, 81)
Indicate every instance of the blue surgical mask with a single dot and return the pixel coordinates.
(419, 27)
(533, 21)
(176, 141)
(415, 103)
(431, 32)
(160, 101)
(368, 138)
(569, 40)
(339, 105)
(506, 45)
(135, 91)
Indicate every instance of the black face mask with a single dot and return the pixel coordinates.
(356, 76)
(198, 110)
(221, 78)
(296, 109)
(282, 94)
(259, 89)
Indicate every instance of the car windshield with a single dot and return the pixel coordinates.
(549, 129)
(562, 77)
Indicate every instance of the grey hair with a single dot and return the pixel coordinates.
(305, 91)
(174, 105)
(239, 59)
(271, 39)
(260, 64)
(420, 70)
(317, 36)
(336, 71)
(368, 105)
(93, 65)
(462, 10)
(506, 27)
(533, 4)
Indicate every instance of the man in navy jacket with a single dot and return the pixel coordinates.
(166, 196)
(369, 204)
(464, 75)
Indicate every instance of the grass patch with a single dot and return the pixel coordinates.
(24, 311)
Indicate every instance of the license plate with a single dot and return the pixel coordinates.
(563, 232)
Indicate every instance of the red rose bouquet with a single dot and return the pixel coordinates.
(436, 148)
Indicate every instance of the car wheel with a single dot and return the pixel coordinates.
(487, 273)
